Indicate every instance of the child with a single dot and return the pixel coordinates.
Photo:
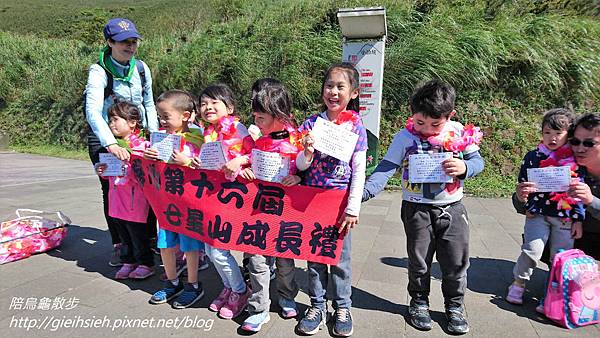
(547, 219)
(272, 107)
(338, 92)
(127, 205)
(434, 218)
(174, 109)
(217, 107)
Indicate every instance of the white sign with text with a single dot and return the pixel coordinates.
(270, 167)
(114, 166)
(212, 156)
(427, 168)
(165, 144)
(550, 179)
(334, 140)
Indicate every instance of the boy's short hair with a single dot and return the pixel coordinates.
(433, 99)
(558, 119)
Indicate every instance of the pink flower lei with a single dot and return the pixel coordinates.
(450, 141)
(226, 132)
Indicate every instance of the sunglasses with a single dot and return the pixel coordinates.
(586, 143)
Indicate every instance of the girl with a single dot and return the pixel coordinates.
(548, 219)
(339, 93)
(217, 107)
(117, 75)
(127, 205)
(175, 107)
(272, 107)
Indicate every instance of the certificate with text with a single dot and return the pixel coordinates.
(334, 140)
(270, 167)
(165, 144)
(550, 179)
(114, 166)
(427, 168)
(212, 156)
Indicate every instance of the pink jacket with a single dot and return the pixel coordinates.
(126, 199)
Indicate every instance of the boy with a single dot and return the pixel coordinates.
(434, 218)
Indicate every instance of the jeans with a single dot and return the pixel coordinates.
(341, 279)
(227, 267)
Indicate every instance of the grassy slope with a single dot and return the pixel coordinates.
(508, 61)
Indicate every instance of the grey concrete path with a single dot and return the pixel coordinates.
(78, 274)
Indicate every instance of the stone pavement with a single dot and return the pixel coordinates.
(78, 272)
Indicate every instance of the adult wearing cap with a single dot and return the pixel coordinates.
(584, 139)
(117, 76)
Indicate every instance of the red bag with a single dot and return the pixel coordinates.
(31, 232)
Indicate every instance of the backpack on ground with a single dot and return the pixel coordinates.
(573, 294)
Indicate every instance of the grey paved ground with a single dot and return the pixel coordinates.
(79, 270)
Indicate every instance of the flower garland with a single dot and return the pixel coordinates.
(225, 131)
(134, 144)
(347, 118)
(450, 140)
(562, 156)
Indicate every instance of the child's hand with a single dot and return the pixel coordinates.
(151, 154)
(524, 189)
(454, 167)
(180, 158)
(195, 163)
(100, 168)
(576, 230)
(290, 180)
(119, 152)
(248, 174)
(348, 222)
(233, 167)
(308, 142)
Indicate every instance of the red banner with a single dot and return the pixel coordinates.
(257, 217)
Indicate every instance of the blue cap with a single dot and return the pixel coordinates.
(120, 29)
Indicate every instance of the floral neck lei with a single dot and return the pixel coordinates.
(287, 142)
(450, 140)
(347, 118)
(562, 156)
(225, 131)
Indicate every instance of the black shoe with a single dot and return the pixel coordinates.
(457, 323)
(419, 316)
(343, 322)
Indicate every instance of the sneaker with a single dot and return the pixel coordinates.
(515, 294)
(142, 272)
(343, 322)
(167, 293)
(419, 316)
(125, 270)
(255, 322)
(236, 303)
(180, 267)
(115, 256)
(288, 308)
(313, 321)
(189, 296)
(221, 300)
(457, 323)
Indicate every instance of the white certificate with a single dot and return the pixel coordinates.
(270, 167)
(211, 156)
(114, 166)
(165, 144)
(334, 140)
(550, 179)
(427, 168)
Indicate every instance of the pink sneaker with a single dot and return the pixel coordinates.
(515, 294)
(218, 303)
(235, 305)
(125, 270)
(142, 272)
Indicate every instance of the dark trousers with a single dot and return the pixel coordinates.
(443, 230)
(94, 149)
(137, 243)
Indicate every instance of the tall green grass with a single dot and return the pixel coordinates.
(509, 61)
